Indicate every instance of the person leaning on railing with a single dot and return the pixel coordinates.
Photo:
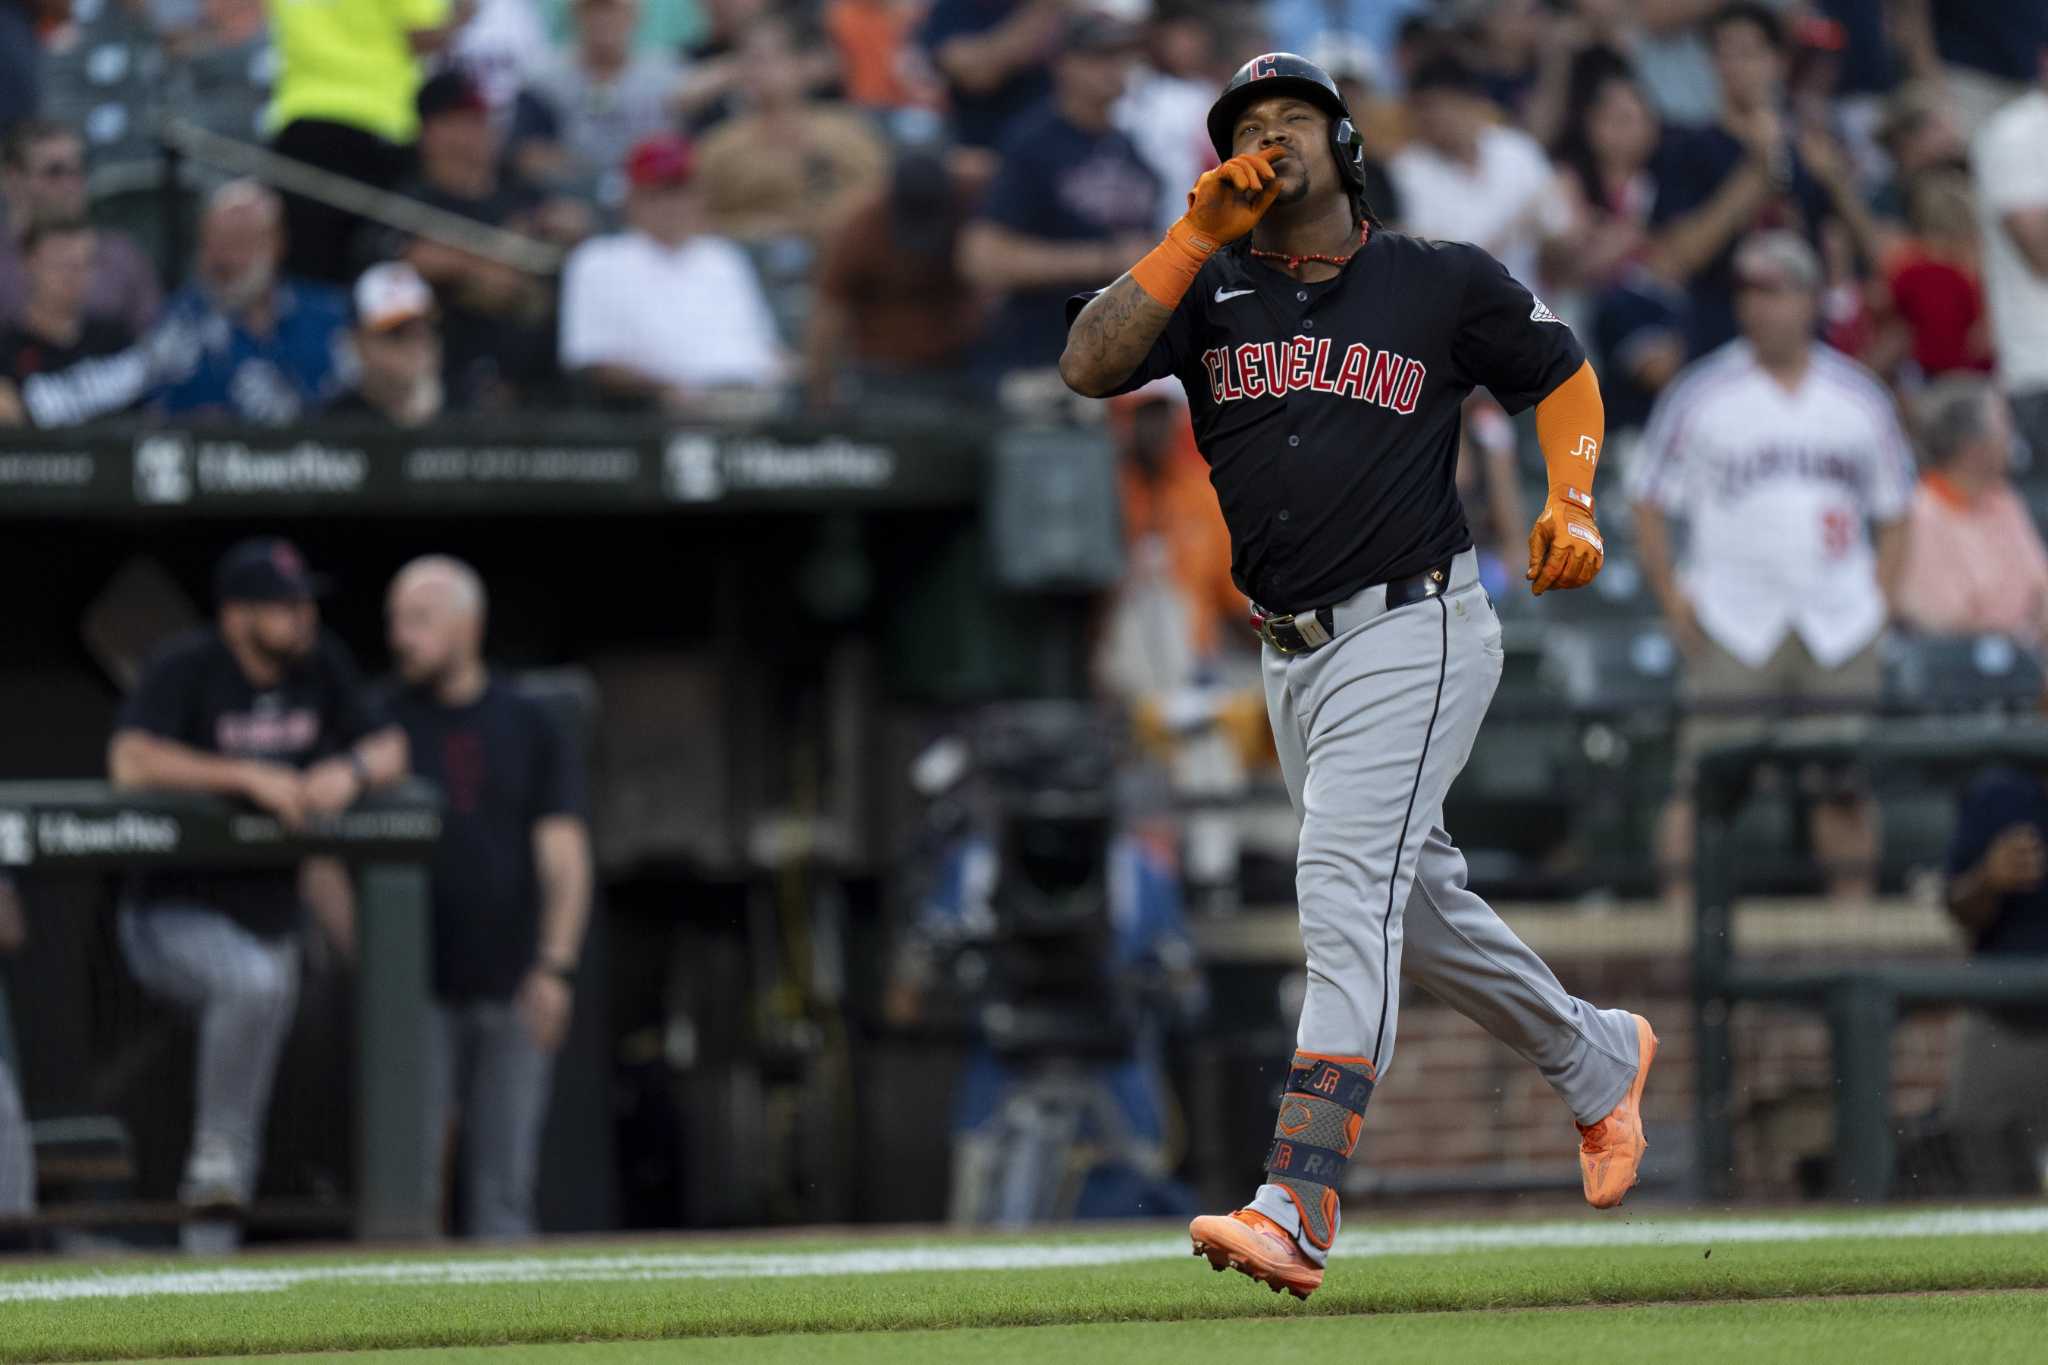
(265, 706)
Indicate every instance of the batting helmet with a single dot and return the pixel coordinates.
(1283, 73)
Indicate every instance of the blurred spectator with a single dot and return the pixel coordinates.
(1779, 454)
(1167, 619)
(784, 164)
(881, 67)
(1072, 206)
(503, 45)
(511, 891)
(1917, 133)
(1172, 645)
(1983, 52)
(397, 345)
(497, 319)
(17, 1152)
(2012, 194)
(895, 318)
(1381, 121)
(244, 342)
(1491, 491)
(995, 57)
(1997, 1107)
(51, 331)
(664, 29)
(1506, 39)
(266, 706)
(715, 69)
(1304, 25)
(606, 97)
(1933, 298)
(1716, 183)
(343, 103)
(1974, 559)
(1166, 102)
(666, 311)
(1605, 153)
(1465, 178)
(42, 174)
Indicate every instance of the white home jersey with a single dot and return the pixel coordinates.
(1778, 489)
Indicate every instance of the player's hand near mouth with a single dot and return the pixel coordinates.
(1117, 328)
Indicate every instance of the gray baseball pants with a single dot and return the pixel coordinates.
(245, 989)
(483, 1065)
(1371, 729)
(17, 1154)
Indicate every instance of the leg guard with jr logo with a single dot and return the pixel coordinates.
(1321, 1114)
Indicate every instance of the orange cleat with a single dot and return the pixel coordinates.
(1256, 1245)
(1611, 1151)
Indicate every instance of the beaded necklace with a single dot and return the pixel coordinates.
(1364, 230)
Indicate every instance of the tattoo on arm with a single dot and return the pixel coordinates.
(1112, 337)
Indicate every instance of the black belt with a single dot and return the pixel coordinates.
(1298, 632)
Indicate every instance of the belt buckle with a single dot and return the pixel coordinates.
(1271, 628)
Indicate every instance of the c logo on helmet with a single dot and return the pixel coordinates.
(1262, 67)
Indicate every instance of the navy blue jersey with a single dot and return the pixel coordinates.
(1994, 803)
(1060, 183)
(1691, 166)
(1329, 412)
(502, 763)
(194, 692)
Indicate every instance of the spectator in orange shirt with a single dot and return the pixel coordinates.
(880, 68)
(1165, 647)
(1172, 527)
(1974, 560)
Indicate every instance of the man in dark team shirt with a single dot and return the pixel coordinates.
(1717, 184)
(265, 706)
(1074, 202)
(1326, 360)
(1998, 892)
(511, 889)
(994, 55)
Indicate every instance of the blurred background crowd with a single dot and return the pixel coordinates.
(1804, 241)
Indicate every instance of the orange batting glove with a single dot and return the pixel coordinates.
(1565, 549)
(1224, 205)
(1228, 202)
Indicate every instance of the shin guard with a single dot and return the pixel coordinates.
(1321, 1114)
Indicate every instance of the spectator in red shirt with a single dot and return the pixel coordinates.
(1931, 279)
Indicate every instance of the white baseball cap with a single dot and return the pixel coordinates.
(390, 294)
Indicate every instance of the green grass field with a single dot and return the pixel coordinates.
(1647, 1285)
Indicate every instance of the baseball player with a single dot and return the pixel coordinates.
(1325, 360)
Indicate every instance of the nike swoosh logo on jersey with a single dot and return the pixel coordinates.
(1225, 295)
(1541, 313)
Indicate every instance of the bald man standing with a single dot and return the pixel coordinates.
(511, 891)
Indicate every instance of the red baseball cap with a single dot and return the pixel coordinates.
(664, 159)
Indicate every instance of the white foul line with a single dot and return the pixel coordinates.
(884, 1260)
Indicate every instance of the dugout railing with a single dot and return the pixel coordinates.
(1861, 1002)
(88, 827)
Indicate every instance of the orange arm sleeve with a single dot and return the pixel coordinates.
(1570, 425)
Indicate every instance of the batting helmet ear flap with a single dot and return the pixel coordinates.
(1348, 148)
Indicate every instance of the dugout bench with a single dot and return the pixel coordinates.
(388, 836)
(1863, 1002)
